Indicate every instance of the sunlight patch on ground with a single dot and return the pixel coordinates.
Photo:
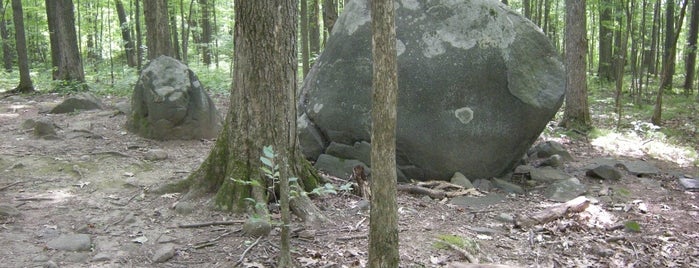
(632, 145)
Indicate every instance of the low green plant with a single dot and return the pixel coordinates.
(443, 242)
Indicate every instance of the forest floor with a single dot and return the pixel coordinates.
(96, 179)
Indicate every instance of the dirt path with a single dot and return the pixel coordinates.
(93, 183)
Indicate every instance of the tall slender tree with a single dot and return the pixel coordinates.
(606, 24)
(329, 16)
(65, 56)
(656, 118)
(129, 47)
(668, 58)
(206, 31)
(691, 58)
(305, 52)
(314, 27)
(158, 37)
(577, 112)
(25, 81)
(383, 224)
(5, 35)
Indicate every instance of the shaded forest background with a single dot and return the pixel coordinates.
(629, 48)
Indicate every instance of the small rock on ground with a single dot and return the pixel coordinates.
(71, 242)
(164, 253)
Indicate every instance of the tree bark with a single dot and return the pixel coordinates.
(604, 69)
(205, 32)
(577, 113)
(139, 36)
(651, 58)
(656, 118)
(262, 113)
(668, 58)
(314, 28)
(129, 48)
(329, 16)
(25, 81)
(158, 37)
(65, 56)
(690, 62)
(5, 34)
(383, 224)
(175, 38)
(305, 58)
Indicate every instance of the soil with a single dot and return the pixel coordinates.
(96, 179)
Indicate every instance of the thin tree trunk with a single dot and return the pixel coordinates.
(5, 34)
(205, 44)
(305, 58)
(621, 59)
(690, 62)
(577, 113)
(175, 37)
(383, 224)
(25, 81)
(604, 69)
(668, 52)
(139, 36)
(314, 28)
(656, 119)
(329, 16)
(129, 48)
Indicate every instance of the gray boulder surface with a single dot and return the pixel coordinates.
(83, 101)
(477, 85)
(170, 103)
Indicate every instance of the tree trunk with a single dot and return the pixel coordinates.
(383, 224)
(329, 16)
(668, 59)
(526, 6)
(620, 62)
(65, 56)
(205, 31)
(262, 113)
(139, 36)
(305, 58)
(604, 69)
(174, 36)
(658, 107)
(158, 37)
(690, 62)
(651, 58)
(5, 34)
(25, 81)
(314, 28)
(129, 48)
(577, 113)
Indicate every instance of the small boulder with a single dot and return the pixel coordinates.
(565, 190)
(170, 103)
(83, 101)
(44, 129)
(553, 161)
(256, 227)
(640, 168)
(605, 172)
(507, 186)
(72, 242)
(461, 180)
(164, 253)
(548, 174)
(549, 148)
(8, 211)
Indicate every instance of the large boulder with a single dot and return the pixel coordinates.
(477, 85)
(169, 103)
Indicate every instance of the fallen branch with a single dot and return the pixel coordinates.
(204, 224)
(476, 265)
(34, 199)
(352, 237)
(577, 205)
(466, 254)
(419, 190)
(10, 185)
(242, 256)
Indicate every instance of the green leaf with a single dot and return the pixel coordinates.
(267, 171)
(632, 226)
(268, 162)
(268, 151)
(251, 200)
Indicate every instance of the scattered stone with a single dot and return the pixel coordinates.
(164, 239)
(8, 211)
(45, 129)
(311, 141)
(483, 185)
(549, 148)
(507, 186)
(184, 208)
(360, 151)
(505, 217)
(565, 190)
(548, 174)
(256, 227)
(364, 205)
(28, 124)
(41, 258)
(164, 253)
(170, 103)
(101, 256)
(50, 264)
(77, 257)
(71, 242)
(640, 168)
(504, 83)
(155, 155)
(338, 167)
(82, 101)
(461, 180)
(605, 172)
(123, 107)
(690, 184)
(553, 161)
(483, 230)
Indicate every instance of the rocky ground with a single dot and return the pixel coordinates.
(81, 197)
